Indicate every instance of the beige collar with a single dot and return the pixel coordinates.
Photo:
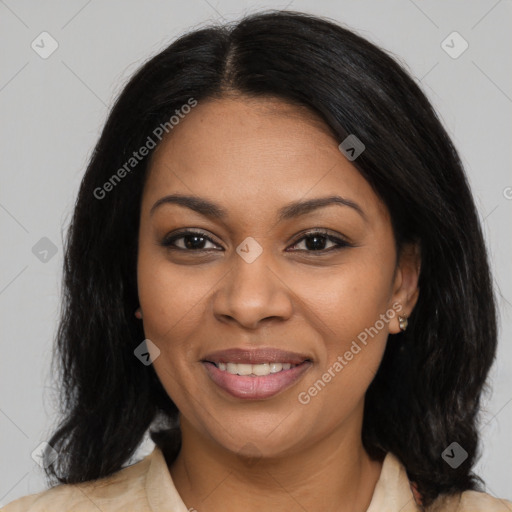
(393, 491)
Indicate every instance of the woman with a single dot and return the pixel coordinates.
(275, 257)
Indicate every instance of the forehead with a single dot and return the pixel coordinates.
(259, 152)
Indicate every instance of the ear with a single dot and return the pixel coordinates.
(405, 285)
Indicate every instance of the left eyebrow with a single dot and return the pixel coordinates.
(298, 208)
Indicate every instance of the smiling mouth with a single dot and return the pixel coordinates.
(255, 373)
(255, 381)
(254, 370)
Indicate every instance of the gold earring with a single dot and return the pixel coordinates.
(402, 321)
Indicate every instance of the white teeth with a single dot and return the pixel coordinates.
(254, 369)
(261, 369)
(275, 367)
(232, 368)
(244, 369)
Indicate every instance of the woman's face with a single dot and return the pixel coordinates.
(257, 291)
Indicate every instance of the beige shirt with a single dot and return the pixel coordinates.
(147, 486)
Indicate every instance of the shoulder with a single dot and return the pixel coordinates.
(120, 491)
(405, 493)
(471, 501)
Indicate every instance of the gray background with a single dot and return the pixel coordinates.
(52, 111)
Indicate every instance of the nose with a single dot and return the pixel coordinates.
(251, 293)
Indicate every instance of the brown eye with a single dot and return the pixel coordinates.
(316, 241)
(189, 241)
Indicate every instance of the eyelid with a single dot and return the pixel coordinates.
(321, 231)
(166, 242)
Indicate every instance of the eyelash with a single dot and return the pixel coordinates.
(340, 243)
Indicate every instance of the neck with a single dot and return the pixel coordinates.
(332, 474)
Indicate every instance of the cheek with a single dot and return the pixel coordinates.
(349, 299)
(171, 298)
(171, 301)
(349, 304)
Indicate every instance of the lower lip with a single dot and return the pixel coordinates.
(256, 388)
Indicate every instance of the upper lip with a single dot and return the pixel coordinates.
(255, 356)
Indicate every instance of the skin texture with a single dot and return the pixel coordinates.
(252, 157)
